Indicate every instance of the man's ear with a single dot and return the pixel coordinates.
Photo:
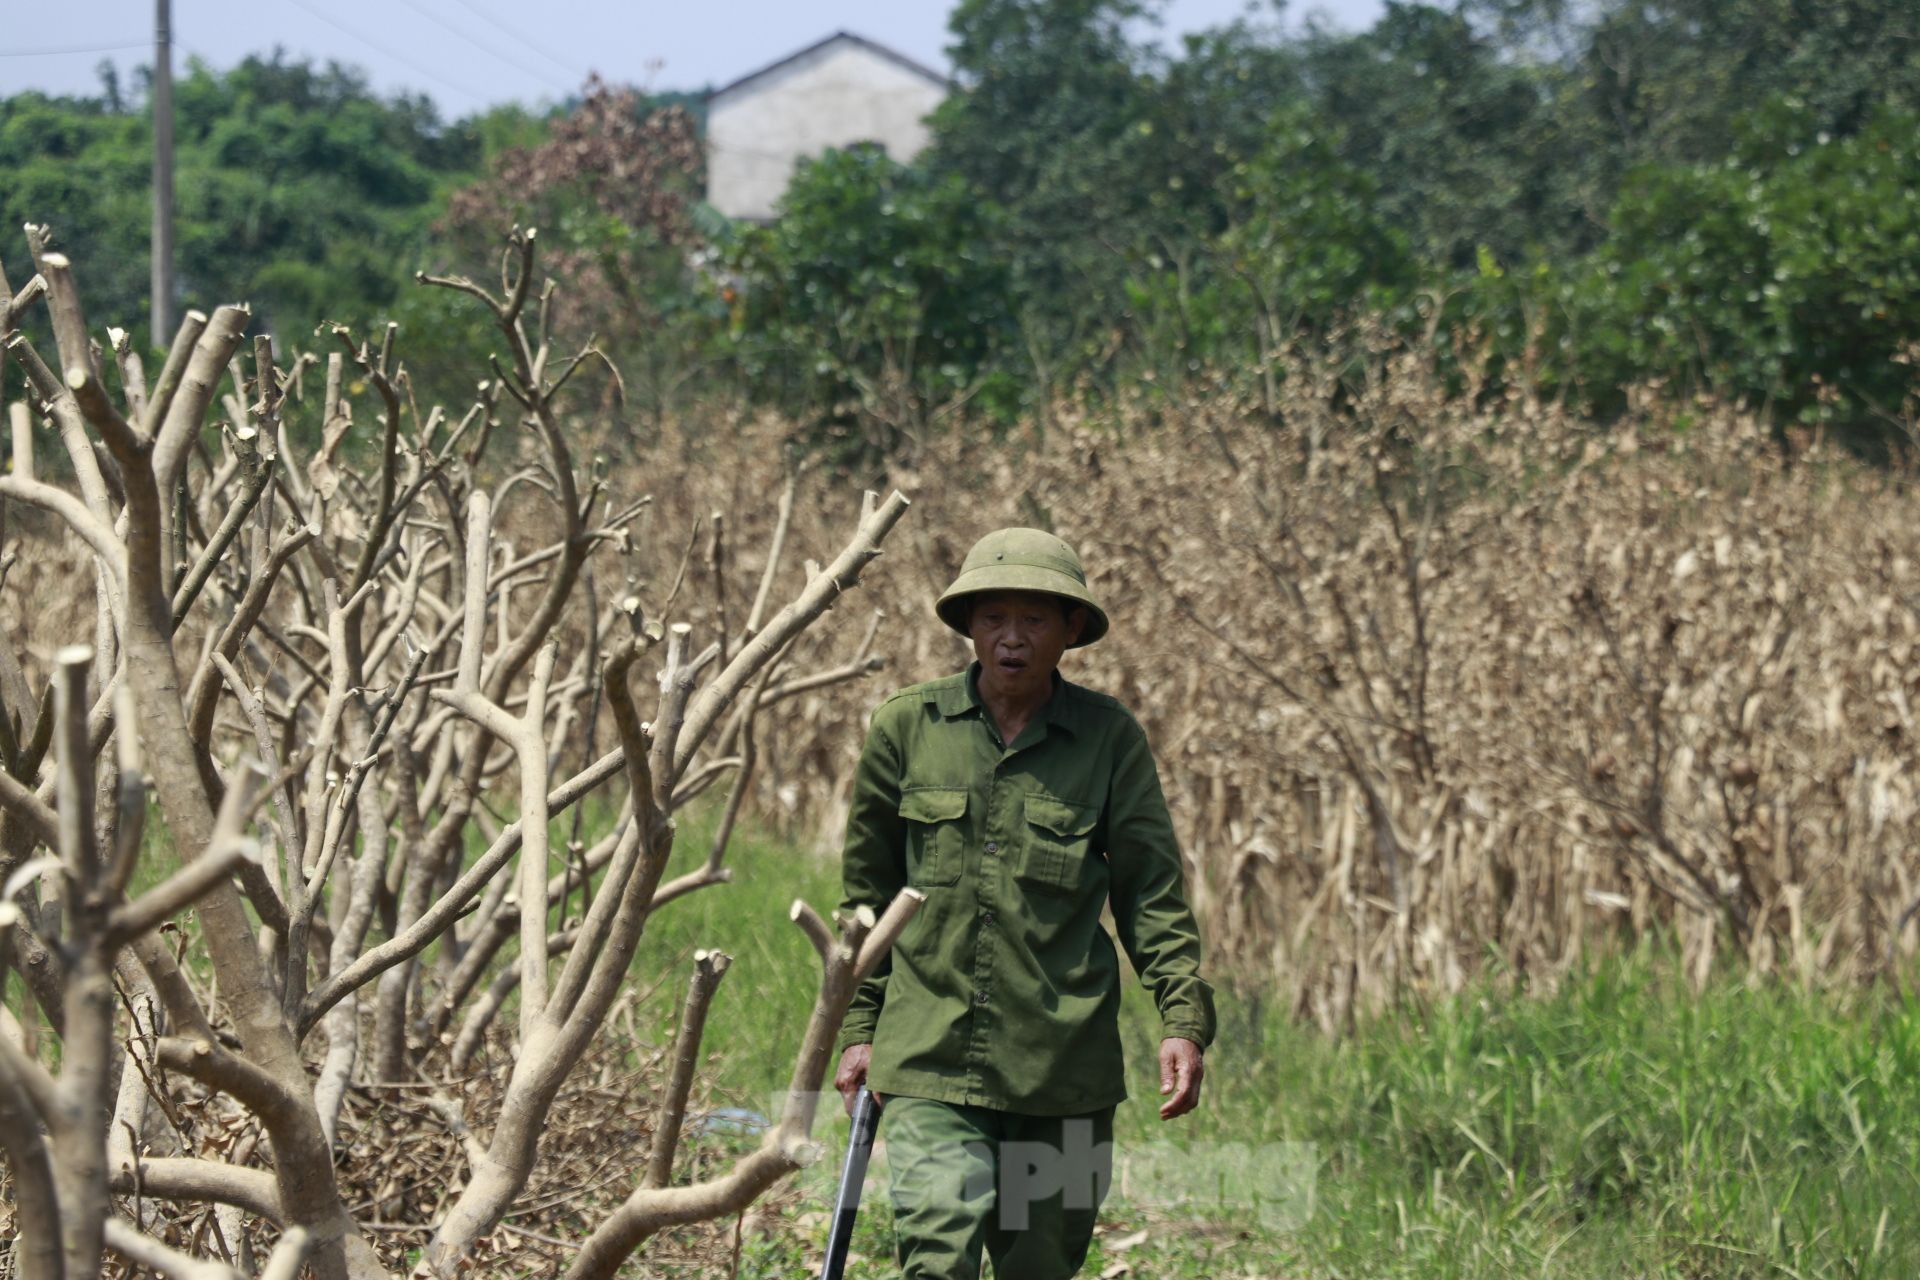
(1076, 622)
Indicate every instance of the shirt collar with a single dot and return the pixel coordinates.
(963, 696)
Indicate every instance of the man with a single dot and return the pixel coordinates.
(1021, 805)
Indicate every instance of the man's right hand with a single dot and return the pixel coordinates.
(853, 1072)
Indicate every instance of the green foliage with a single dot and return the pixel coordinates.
(1450, 127)
(875, 298)
(1787, 275)
(1304, 243)
(1310, 237)
(1587, 191)
(1702, 193)
(1670, 80)
(1061, 127)
(77, 164)
(1052, 108)
(297, 189)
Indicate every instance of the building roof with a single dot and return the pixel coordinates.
(871, 46)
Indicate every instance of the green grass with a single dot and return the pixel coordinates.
(1623, 1126)
(754, 1028)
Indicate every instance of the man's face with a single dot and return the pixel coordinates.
(1019, 637)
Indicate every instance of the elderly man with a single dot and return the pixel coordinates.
(1021, 805)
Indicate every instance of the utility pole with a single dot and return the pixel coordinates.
(162, 284)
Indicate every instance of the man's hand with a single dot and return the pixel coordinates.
(1180, 1072)
(853, 1072)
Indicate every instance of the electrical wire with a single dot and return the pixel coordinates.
(544, 77)
(55, 51)
(396, 55)
(564, 64)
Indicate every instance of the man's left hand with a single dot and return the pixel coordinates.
(1180, 1071)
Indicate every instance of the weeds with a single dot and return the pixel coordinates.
(1624, 1125)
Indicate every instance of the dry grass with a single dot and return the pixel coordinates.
(1458, 689)
(1440, 689)
(1436, 689)
(400, 1162)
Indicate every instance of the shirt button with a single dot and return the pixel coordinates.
(986, 917)
(979, 997)
(993, 846)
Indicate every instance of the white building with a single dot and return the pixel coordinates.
(838, 92)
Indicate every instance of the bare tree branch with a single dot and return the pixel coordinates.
(709, 967)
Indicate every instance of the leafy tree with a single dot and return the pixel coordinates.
(1055, 125)
(1310, 239)
(1448, 126)
(875, 304)
(85, 168)
(1796, 288)
(303, 192)
(612, 185)
(297, 188)
(1649, 82)
(1672, 80)
(1306, 242)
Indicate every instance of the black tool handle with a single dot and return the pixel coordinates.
(853, 1174)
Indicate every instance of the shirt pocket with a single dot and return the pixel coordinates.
(1059, 836)
(934, 833)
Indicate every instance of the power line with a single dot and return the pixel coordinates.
(55, 51)
(564, 64)
(395, 54)
(543, 77)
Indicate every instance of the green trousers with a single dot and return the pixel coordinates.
(1023, 1190)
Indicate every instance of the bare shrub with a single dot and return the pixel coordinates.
(349, 695)
(1441, 688)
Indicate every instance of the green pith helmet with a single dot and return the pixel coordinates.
(1022, 560)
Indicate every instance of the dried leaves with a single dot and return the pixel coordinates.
(1434, 686)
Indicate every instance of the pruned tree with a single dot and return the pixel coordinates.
(616, 183)
(318, 669)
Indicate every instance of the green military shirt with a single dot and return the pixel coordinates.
(1004, 990)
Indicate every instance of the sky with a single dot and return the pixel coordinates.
(468, 54)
